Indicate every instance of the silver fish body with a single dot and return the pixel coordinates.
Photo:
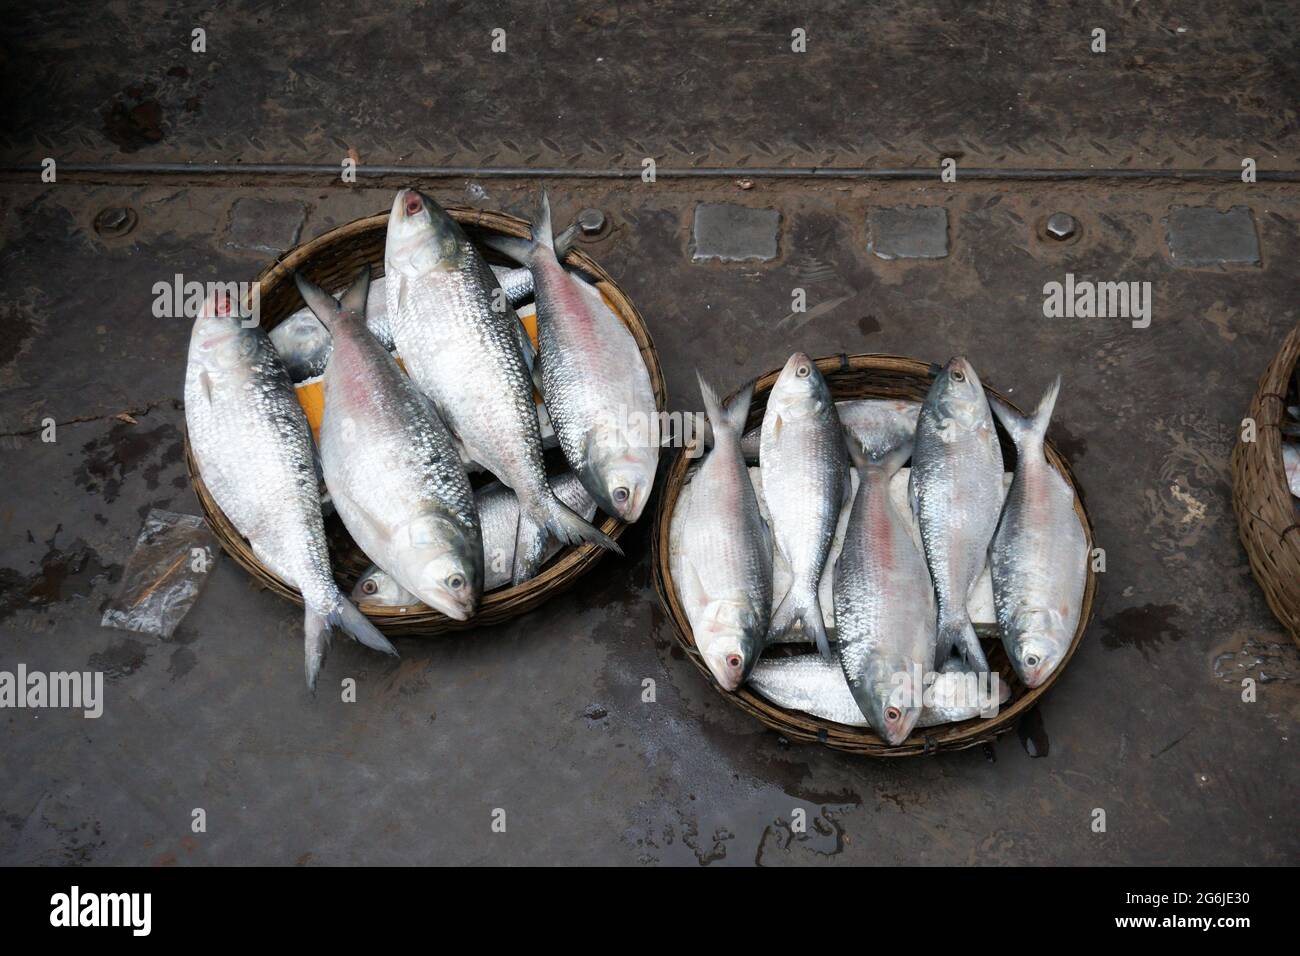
(805, 473)
(1039, 553)
(466, 356)
(877, 423)
(392, 467)
(304, 344)
(597, 389)
(956, 491)
(884, 603)
(254, 450)
(498, 511)
(720, 552)
(807, 683)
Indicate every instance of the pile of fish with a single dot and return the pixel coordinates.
(831, 540)
(397, 443)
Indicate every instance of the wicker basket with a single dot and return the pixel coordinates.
(331, 261)
(1266, 511)
(853, 377)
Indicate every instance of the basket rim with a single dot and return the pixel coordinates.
(797, 725)
(498, 605)
(1265, 509)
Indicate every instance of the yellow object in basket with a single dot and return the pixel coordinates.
(311, 393)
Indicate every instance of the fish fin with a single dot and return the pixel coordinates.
(205, 382)
(958, 633)
(517, 248)
(530, 545)
(354, 299)
(321, 303)
(570, 528)
(401, 292)
(733, 416)
(542, 231)
(801, 603)
(1028, 431)
(316, 644)
(352, 622)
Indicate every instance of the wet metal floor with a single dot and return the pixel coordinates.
(543, 717)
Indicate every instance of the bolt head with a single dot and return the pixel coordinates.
(591, 221)
(1061, 226)
(115, 221)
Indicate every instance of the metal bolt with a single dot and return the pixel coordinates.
(115, 221)
(591, 221)
(1061, 226)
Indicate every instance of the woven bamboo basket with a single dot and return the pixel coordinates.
(331, 261)
(1266, 511)
(855, 377)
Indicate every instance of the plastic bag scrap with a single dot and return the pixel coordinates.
(163, 577)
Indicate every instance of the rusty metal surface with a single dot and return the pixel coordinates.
(895, 83)
(544, 717)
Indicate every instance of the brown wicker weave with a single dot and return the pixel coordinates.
(1261, 497)
(851, 377)
(331, 261)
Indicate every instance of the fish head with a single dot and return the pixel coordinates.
(377, 586)
(219, 339)
(889, 697)
(624, 476)
(958, 395)
(730, 642)
(437, 561)
(800, 390)
(1037, 642)
(421, 236)
(301, 335)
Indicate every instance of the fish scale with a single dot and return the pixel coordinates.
(254, 449)
(884, 601)
(1038, 557)
(805, 474)
(956, 488)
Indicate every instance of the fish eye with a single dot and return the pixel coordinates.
(1031, 660)
(892, 714)
(413, 204)
(803, 371)
(455, 582)
(958, 375)
(620, 495)
(369, 586)
(733, 660)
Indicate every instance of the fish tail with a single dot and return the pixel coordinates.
(571, 528)
(958, 633)
(345, 616)
(542, 230)
(887, 461)
(325, 307)
(1028, 431)
(731, 417)
(801, 604)
(525, 251)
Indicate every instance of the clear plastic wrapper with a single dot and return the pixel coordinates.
(171, 562)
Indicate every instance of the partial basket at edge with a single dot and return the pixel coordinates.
(1261, 497)
(332, 261)
(854, 377)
